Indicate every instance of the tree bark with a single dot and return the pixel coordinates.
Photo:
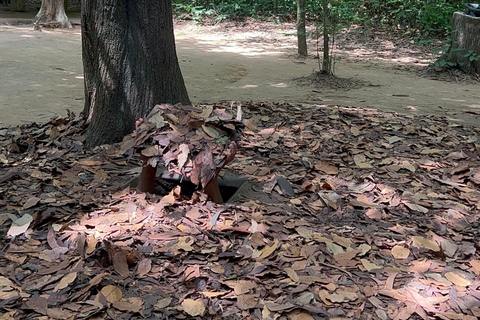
(301, 30)
(465, 46)
(327, 63)
(52, 12)
(130, 64)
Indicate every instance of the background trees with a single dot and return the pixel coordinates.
(417, 19)
(130, 64)
(431, 17)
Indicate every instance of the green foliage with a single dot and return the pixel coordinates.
(444, 60)
(427, 17)
(420, 17)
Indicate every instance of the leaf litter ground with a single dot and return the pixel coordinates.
(383, 223)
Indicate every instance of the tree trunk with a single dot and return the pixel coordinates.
(130, 64)
(52, 12)
(465, 47)
(301, 30)
(327, 63)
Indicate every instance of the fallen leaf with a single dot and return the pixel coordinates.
(400, 252)
(342, 296)
(475, 266)
(112, 293)
(144, 267)
(421, 242)
(369, 265)
(120, 263)
(458, 279)
(268, 251)
(163, 303)
(326, 167)
(193, 308)
(183, 155)
(31, 202)
(416, 207)
(247, 301)
(243, 286)
(360, 161)
(211, 131)
(292, 274)
(65, 281)
(19, 226)
(132, 304)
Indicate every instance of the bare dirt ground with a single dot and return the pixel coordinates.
(41, 72)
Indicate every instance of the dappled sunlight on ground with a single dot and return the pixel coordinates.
(242, 61)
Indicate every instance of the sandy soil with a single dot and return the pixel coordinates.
(41, 72)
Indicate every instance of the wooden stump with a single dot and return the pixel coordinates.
(465, 46)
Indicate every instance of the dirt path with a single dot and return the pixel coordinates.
(41, 74)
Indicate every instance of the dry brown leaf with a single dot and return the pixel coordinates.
(193, 308)
(168, 200)
(192, 272)
(305, 299)
(185, 243)
(92, 242)
(361, 161)
(326, 167)
(374, 214)
(20, 225)
(342, 296)
(183, 155)
(31, 202)
(430, 151)
(355, 131)
(38, 303)
(247, 301)
(369, 265)
(144, 267)
(120, 263)
(211, 132)
(292, 274)
(276, 307)
(296, 201)
(416, 207)
(52, 241)
(112, 293)
(163, 303)
(151, 151)
(298, 315)
(448, 247)
(65, 281)
(421, 242)
(210, 294)
(206, 112)
(475, 266)
(400, 252)
(132, 304)
(218, 269)
(334, 248)
(458, 279)
(244, 286)
(269, 250)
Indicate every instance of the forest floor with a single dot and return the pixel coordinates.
(347, 213)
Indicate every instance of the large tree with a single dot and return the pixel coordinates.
(130, 64)
(52, 12)
(301, 30)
